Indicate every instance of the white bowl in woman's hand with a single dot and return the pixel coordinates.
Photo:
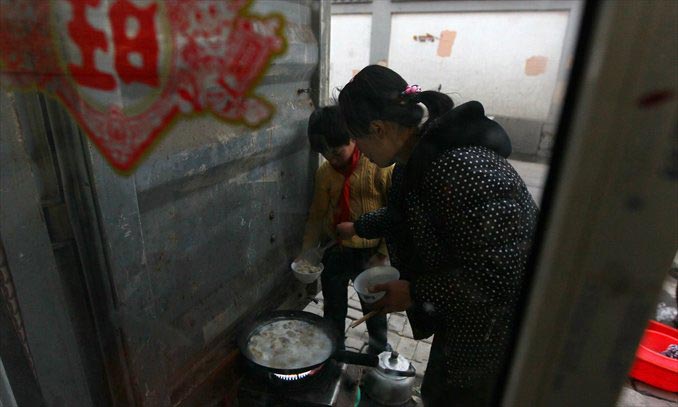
(372, 277)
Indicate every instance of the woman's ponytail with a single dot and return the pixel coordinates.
(437, 105)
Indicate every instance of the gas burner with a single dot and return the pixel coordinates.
(297, 376)
(331, 384)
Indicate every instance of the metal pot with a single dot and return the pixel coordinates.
(317, 322)
(391, 382)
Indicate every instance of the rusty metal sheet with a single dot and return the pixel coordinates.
(204, 229)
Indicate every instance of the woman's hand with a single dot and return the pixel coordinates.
(397, 296)
(346, 230)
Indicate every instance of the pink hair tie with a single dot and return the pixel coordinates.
(411, 89)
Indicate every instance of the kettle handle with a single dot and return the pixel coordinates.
(355, 358)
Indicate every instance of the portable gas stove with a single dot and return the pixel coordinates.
(332, 384)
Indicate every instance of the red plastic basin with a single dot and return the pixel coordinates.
(650, 365)
(665, 329)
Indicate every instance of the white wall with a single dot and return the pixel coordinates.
(349, 48)
(488, 57)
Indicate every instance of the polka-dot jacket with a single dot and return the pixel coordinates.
(459, 225)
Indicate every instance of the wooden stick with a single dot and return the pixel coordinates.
(365, 318)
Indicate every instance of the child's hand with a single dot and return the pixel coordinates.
(346, 230)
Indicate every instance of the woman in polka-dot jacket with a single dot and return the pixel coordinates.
(458, 226)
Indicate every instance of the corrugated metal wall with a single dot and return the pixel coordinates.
(205, 228)
(200, 236)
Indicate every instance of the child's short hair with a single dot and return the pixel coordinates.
(326, 130)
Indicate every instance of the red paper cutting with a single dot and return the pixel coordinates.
(126, 71)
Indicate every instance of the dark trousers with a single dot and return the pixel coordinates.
(436, 392)
(341, 265)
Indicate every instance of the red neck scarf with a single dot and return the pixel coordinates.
(343, 212)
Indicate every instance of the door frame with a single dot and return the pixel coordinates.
(612, 198)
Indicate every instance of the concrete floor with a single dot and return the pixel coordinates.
(633, 394)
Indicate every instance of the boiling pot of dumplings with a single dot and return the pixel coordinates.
(294, 342)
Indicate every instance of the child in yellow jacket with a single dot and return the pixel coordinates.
(346, 186)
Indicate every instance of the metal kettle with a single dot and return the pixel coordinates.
(391, 382)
